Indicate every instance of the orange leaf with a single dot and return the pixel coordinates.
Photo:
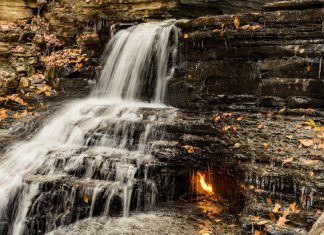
(216, 119)
(257, 232)
(272, 217)
(236, 22)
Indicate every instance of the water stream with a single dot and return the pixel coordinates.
(98, 148)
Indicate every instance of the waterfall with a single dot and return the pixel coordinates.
(96, 148)
(138, 64)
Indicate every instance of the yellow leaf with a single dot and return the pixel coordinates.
(311, 162)
(306, 143)
(312, 122)
(282, 110)
(276, 208)
(301, 50)
(289, 136)
(260, 126)
(257, 232)
(185, 36)
(287, 160)
(86, 198)
(311, 173)
(236, 22)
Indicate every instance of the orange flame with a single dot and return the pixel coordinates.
(207, 187)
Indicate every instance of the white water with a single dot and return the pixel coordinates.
(136, 68)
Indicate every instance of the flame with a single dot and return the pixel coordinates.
(207, 187)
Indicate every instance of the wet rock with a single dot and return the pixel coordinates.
(266, 56)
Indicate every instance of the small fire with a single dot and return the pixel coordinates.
(207, 187)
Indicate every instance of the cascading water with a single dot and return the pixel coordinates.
(98, 148)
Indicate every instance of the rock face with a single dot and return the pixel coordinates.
(14, 10)
(257, 59)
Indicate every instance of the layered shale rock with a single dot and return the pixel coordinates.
(254, 59)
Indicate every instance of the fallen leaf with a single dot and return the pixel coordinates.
(3, 114)
(236, 22)
(319, 128)
(86, 198)
(266, 145)
(294, 208)
(311, 173)
(257, 232)
(260, 126)
(226, 128)
(251, 186)
(283, 219)
(311, 162)
(287, 160)
(298, 126)
(269, 200)
(320, 135)
(312, 122)
(190, 149)
(306, 143)
(216, 119)
(263, 222)
(301, 50)
(185, 36)
(255, 218)
(276, 208)
(308, 68)
(239, 118)
(237, 145)
(282, 110)
(227, 114)
(21, 114)
(289, 136)
(272, 217)
(321, 146)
